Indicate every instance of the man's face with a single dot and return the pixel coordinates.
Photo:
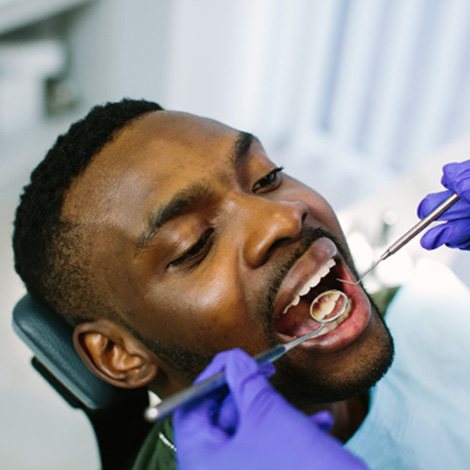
(201, 243)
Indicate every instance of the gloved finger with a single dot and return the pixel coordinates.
(219, 362)
(453, 234)
(323, 419)
(251, 391)
(197, 419)
(219, 406)
(434, 237)
(243, 365)
(465, 245)
(215, 366)
(459, 210)
(228, 414)
(203, 413)
(227, 418)
(267, 369)
(431, 201)
(459, 233)
(456, 177)
(449, 172)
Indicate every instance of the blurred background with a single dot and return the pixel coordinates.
(362, 99)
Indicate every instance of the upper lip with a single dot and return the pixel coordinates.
(310, 263)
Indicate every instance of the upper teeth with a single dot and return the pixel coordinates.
(312, 282)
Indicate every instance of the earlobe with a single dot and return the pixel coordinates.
(114, 354)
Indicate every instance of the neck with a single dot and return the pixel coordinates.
(349, 415)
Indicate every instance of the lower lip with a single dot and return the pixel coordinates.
(349, 330)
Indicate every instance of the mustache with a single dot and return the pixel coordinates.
(308, 236)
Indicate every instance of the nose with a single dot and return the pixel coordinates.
(269, 225)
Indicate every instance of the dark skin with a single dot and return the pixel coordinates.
(193, 277)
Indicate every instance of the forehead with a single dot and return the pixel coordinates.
(157, 153)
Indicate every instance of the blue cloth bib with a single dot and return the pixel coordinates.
(419, 415)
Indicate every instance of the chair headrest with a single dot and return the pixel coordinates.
(49, 336)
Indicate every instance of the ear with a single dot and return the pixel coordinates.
(113, 354)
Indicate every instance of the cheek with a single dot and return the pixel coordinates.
(327, 216)
(207, 310)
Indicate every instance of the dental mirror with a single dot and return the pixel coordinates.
(329, 306)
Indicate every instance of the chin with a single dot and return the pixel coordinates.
(333, 379)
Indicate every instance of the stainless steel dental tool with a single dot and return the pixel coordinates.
(325, 308)
(408, 236)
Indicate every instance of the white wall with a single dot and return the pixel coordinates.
(346, 93)
(343, 86)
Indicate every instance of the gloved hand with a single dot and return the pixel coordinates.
(454, 232)
(253, 427)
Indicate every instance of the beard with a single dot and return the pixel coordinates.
(296, 382)
(293, 379)
(305, 390)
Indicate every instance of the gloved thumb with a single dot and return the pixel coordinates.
(431, 201)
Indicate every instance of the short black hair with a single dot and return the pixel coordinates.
(45, 246)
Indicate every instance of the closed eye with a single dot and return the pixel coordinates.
(197, 252)
(269, 182)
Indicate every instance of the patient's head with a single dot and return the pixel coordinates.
(164, 238)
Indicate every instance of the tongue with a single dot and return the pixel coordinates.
(297, 321)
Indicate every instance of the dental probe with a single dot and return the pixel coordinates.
(199, 390)
(408, 236)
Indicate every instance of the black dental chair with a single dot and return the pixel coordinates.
(115, 414)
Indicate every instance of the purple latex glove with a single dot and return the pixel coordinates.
(454, 232)
(253, 427)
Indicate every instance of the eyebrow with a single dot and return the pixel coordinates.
(194, 194)
(176, 206)
(241, 147)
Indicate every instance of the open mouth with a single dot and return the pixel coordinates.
(295, 319)
(316, 272)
